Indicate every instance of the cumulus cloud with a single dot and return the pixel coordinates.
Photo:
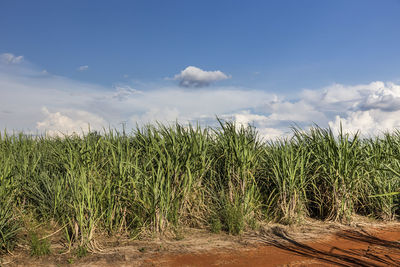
(247, 118)
(369, 122)
(196, 77)
(383, 97)
(83, 68)
(9, 58)
(370, 108)
(69, 122)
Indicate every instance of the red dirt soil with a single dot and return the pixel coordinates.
(345, 248)
(320, 245)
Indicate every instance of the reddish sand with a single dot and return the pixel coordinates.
(346, 248)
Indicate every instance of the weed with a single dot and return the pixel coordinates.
(81, 251)
(215, 225)
(39, 247)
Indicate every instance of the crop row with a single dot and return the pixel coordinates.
(160, 178)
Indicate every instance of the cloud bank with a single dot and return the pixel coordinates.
(37, 101)
(195, 77)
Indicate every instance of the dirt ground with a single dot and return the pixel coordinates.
(312, 244)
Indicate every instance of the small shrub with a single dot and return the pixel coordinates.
(39, 247)
(234, 219)
(253, 224)
(215, 225)
(81, 252)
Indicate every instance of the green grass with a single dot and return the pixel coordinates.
(39, 247)
(158, 179)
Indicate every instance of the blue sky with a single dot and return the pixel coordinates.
(271, 48)
(320, 42)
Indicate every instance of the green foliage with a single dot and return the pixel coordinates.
(338, 165)
(289, 176)
(215, 225)
(383, 168)
(9, 226)
(161, 178)
(9, 223)
(81, 251)
(39, 247)
(233, 182)
(234, 218)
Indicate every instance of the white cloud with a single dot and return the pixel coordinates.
(370, 108)
(196, 77)
(83, 68)
(31, 100)
(69, 122)
(267, 128)
(264, 124)
(24, 94)
(384, 97)
(298, 111)
(272, 133)
(170, 104)
(369, 122)
(154, 114)
(124, 92)
(9, 58)
(245, 118)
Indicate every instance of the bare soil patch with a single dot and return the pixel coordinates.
(312, 244)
